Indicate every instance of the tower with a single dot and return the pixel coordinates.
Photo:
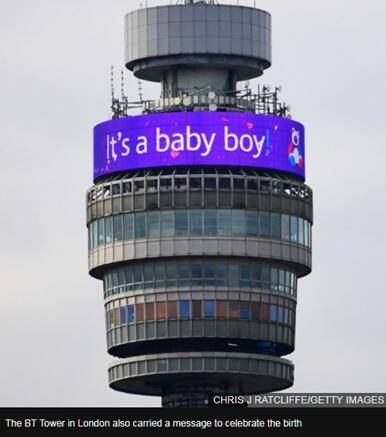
(199, 218)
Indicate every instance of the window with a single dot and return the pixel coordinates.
(171, 274)
(115, 279)
(139, 312)
(183, 275)
(224, 223)
(221, 308)
(121, 277)
(200, 273)
(139, 186)
(151, 366)
(152, 185)
(265, 186)
(130, 314)
(184, 308)
(128, 226)
(275, 226)
(127, 187)
(264, 224)
(286, 316)
(149, 311)
(285, 224)
(238, 184)
(301, 231)
(159, 275)
(244, 311)
(129, 277)
(167, 223)
(166, 184)
(208, 278)
(162, 365)
(95, 234)
(180, 184)
(195, 222)
(197, 308)
(265, 312)
(210, 183)
(273, 313)
(280, 314)
(281, 280)
(294, 229)
(172, 309)
(90, 236)
(256, 276)
(265, 275)
(115, 314)
(196, 275)
(245, 272)
(276, 187)
(234, 275)
(255, 311)
(140, 225)
(153, 225)
(234, 312)
(118, 227)
(148, 275)
(252, 224)
(195, 183)
(224, 183)
(101, 232)
(252, 184)
(209, 308)
(109, 229)
(138, 277)
(181, 223)
(292, 286)
(161, 310)
(123, 315)
(306, 240)
(274, 279)
(221, 274)
(210, 222)
(198, 222)
(238, 223)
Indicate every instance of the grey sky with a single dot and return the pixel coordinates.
(55, 56)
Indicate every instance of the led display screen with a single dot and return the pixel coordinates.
(199, 139)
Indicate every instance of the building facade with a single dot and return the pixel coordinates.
(199, 218)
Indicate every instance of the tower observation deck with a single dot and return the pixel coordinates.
(199, 218)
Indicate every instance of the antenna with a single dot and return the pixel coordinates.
(122, 86)
(112, 82)
(140, 95)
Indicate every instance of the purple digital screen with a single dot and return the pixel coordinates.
(199, 139)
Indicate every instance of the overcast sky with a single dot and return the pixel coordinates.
(329, 56)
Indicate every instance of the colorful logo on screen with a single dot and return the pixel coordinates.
(294, 156)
